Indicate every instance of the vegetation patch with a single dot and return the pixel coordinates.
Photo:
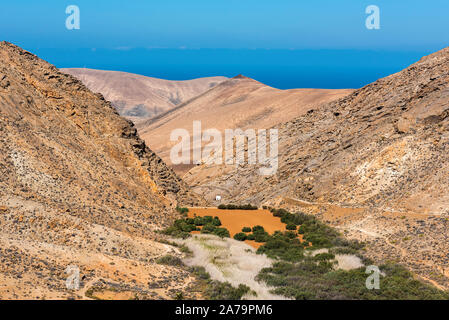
(209, 225)
(225, 291)
(170, 260)
(216, 290)
(237, 207)
(240, 236)
(300, 273)
(307, 268)
(182, 211)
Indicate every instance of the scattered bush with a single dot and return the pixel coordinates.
(246, 229)
(186, 250)
(250, 237)
(170, 260)
(304, 276)
(309, 280)
(200, 273)
(201, 221)
(184, 226)
(212, 229)
(175, 232)
(208, 228)
(240, 236)
(179, 296)
(222, 233)
(183, 211)
(261, 237)
(278, 212)
(281, 245)
(291, 226)
(237, 207)
(225, 291)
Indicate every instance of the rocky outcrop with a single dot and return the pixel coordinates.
(77, 186)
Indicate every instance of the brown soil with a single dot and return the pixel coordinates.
(235, 220)
(112, 295)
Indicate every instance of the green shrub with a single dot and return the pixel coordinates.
(324, 256)
(170, 260)
(201, 221)
(186, 250)
(304, 276)
(222, 232)
(278, 212)
(208, 228)
(261, 237)
(175, 232)
(258, 229)
(282, 245)
(216, 222)
(200, 273)
(237, 207)
(291, 226)
(184, 226)
(182, 210)
(240, 236)
(198, 221)
(225, 291)
(246, 229)
(250, 237)
(179, 296)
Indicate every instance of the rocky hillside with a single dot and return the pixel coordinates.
(375, 163)
(77, 186)
(239, 102)
(137, 97)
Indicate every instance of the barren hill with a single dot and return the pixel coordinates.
(375, 163)
(239, 102)
(138, 97)
(77, 187)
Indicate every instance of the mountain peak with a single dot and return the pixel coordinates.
(241, 76)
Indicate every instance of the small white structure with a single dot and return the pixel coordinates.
(218, 198)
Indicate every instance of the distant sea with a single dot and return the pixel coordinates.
(283, 69)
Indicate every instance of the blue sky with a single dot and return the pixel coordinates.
(410, 27)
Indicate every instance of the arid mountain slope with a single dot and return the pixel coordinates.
(77, 186)
(137, 97)
(375, 163)
(383, 145)
(239, 102)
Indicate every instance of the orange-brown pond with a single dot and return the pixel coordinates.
(235, 220)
